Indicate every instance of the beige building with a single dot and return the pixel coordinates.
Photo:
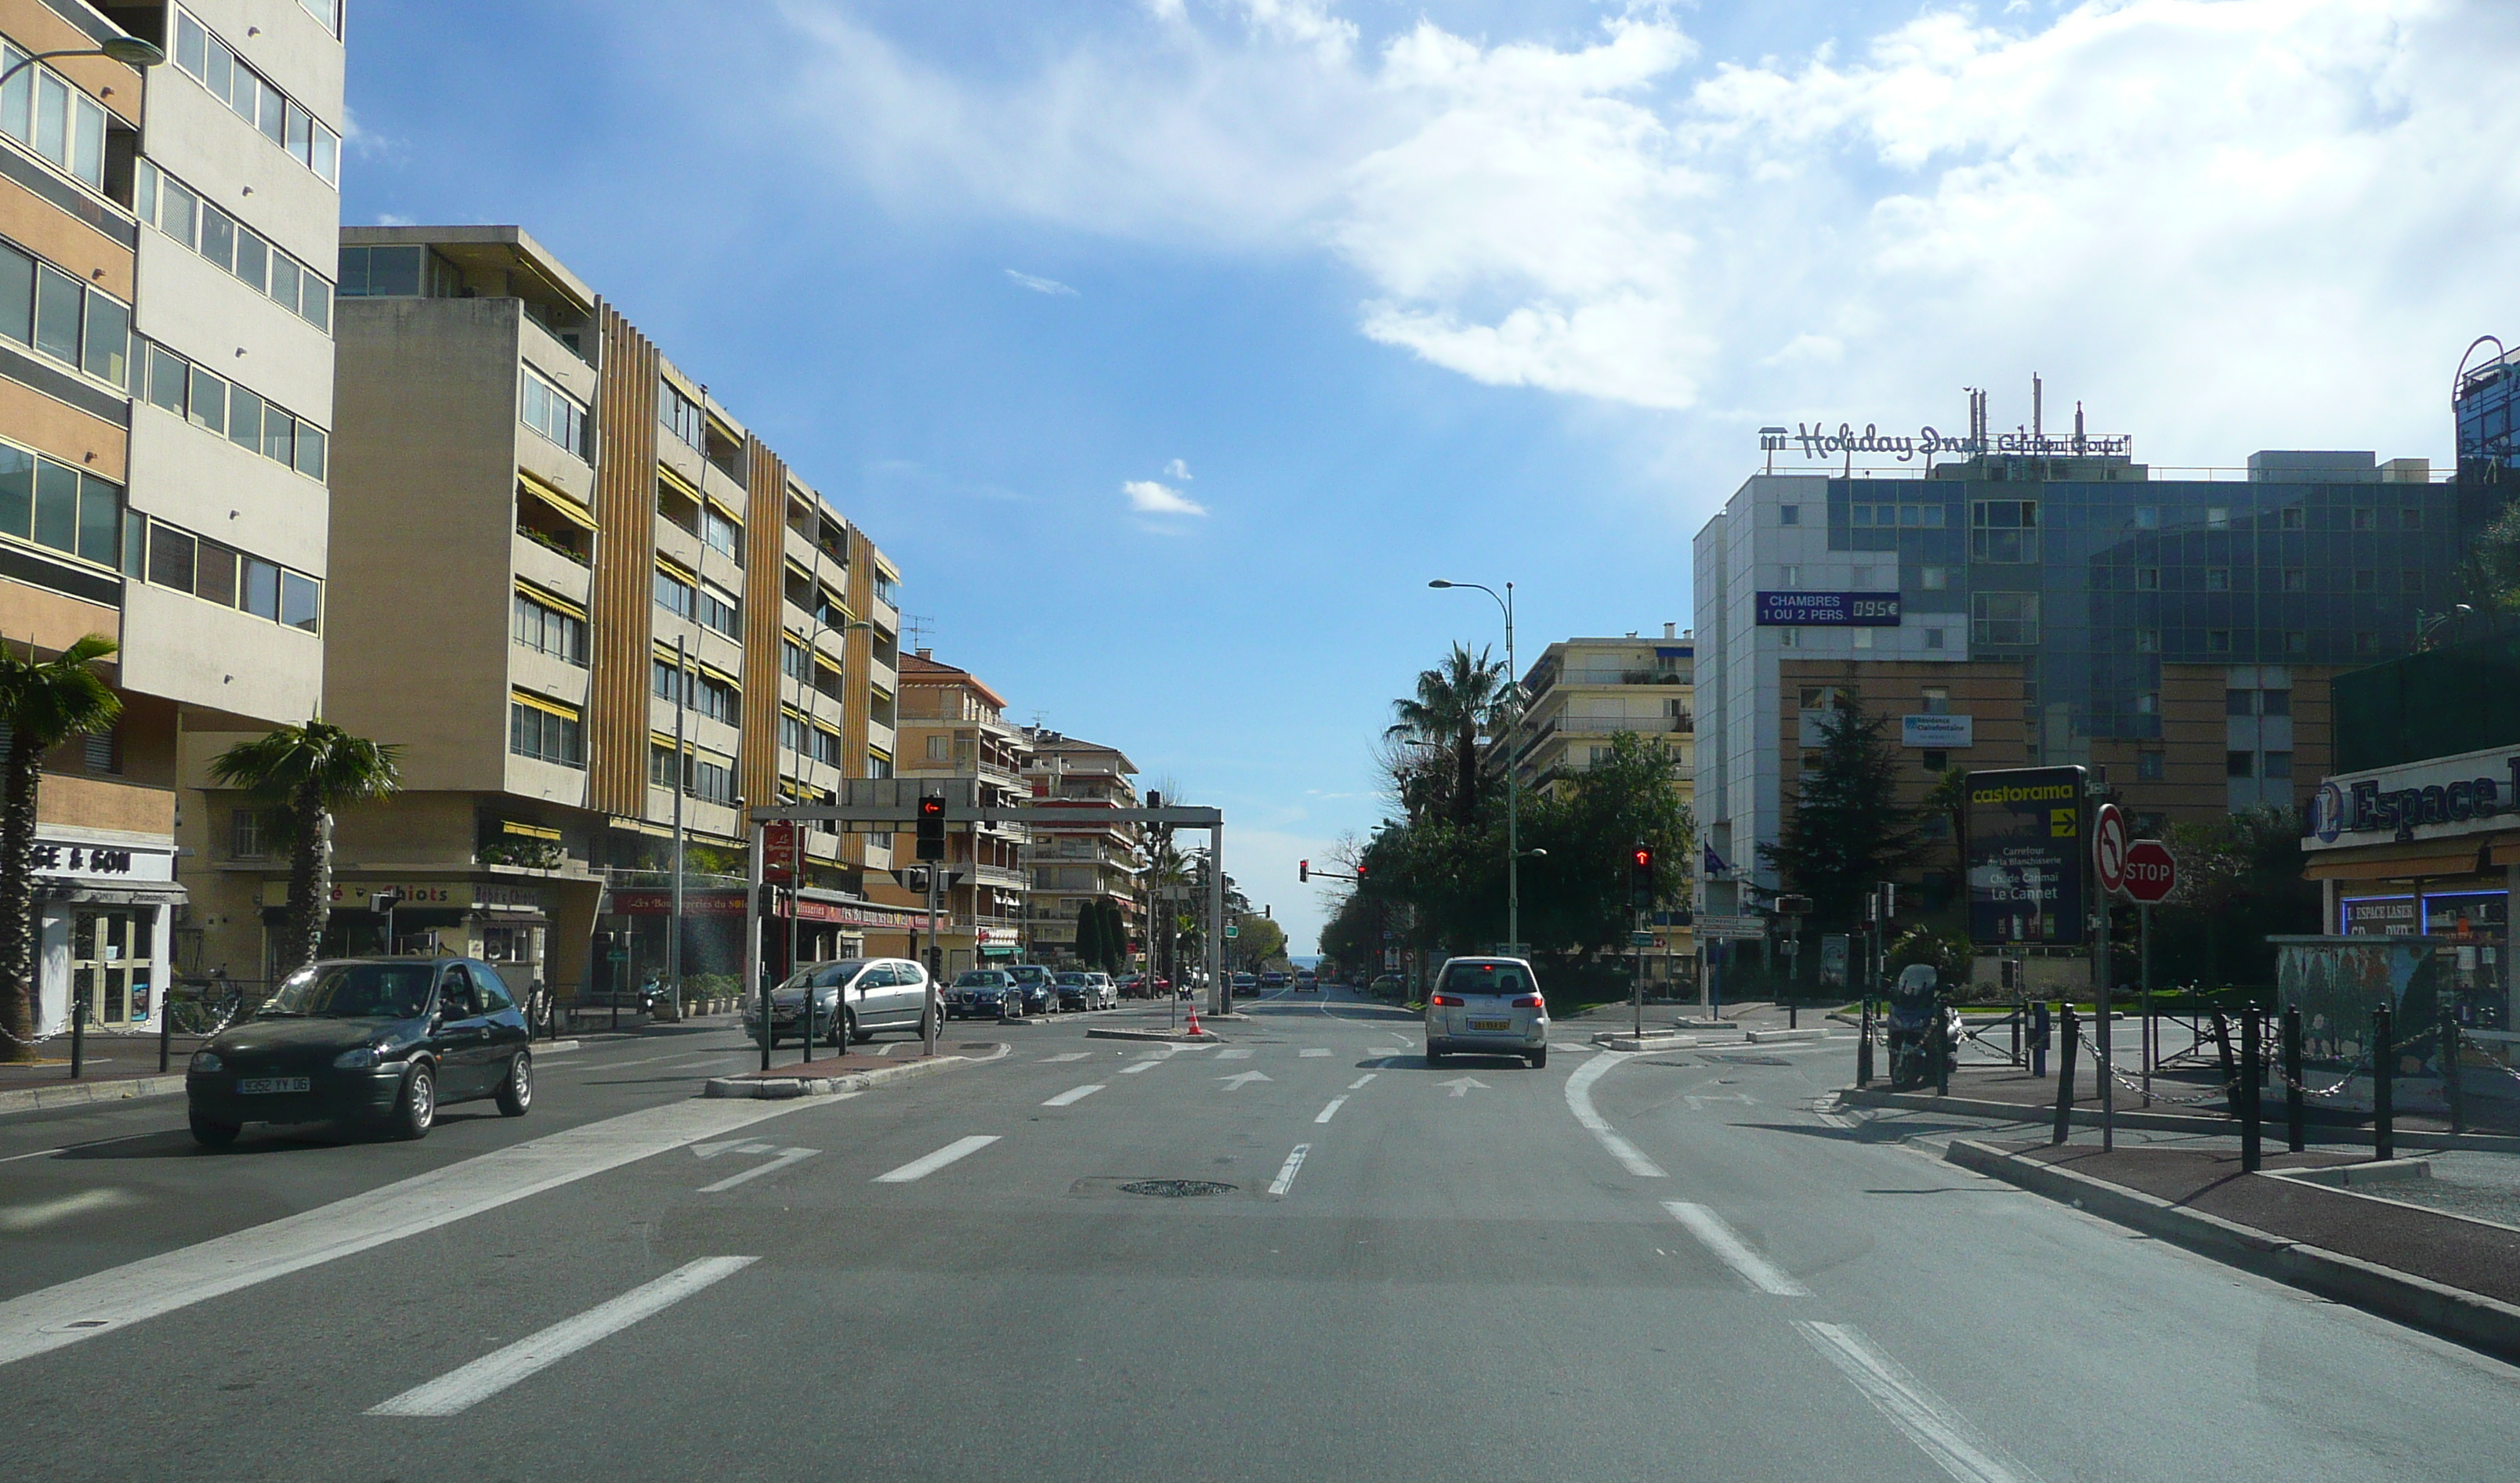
(955, 726)
(166, 411)
(1072, 864)
(562, 553)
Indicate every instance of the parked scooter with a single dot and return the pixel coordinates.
(1924, 1031)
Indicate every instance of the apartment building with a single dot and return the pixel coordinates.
(955, 726)
(1072, 864)
(586, 601)
(165, 405)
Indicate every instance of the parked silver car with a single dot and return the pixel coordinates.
(1487, 1005)
(1107, 994)
(852, 1000)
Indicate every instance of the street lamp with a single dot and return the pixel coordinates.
(130, 51)
(1513, 791)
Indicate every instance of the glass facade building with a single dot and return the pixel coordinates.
(2484, 403)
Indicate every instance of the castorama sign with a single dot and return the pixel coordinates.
(2437, 798)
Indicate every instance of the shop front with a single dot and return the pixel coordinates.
(2428, 853)
(103, 906)
(635, 947)
(500, 921)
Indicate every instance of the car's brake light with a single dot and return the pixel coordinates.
(1529, 1002)
(1446, 1001)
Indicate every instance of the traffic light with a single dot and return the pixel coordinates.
(1640, 876)
(932, 829)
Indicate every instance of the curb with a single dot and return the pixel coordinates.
(2464, 1317)
(1165, 1037)
(76, 1093)
(782, 1087)
(1638, 1045)
(2168, 1122)
(1772, 1037)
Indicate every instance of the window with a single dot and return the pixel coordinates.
(2367, 520)
(940, 748)
(545, 627)
(327, 14)
(1937, 700)
(1817, 698)
(2292, 519)
(2147, 517)
(2410, 580)
(175, 557)
(1789, 514)
(2218, 518)
(878, 763)
(2240, 764)
(102, 750)
(2366, 581)
(719, 609)
(40, 109)
(795, 663)
(2147, 579)
(1935, 762)
(791, 731)
(2278, 765)
(660, 765)
(52, 504)
(887, 588)
(2295, 579)
(1789, 577)
(713, 781)
(721, 533)
(2217, 641)
(2003, 531)
(826, 745)
(1789, 638)
(2148, 641)
(177, 210)
(680, 415)
(252, 832)
(83, 329)
(2366, 644)
(550, 411)
(2296, 642)
(2411, 519)
(668, 683)
(2218, 579)
(2147, 767)
(675, 595)
(208, 62)
(719, 699)
(548, 731)
(399, 271)
(241, 416)
(2274, 703)
(2239, 703)
(2003, 618)
(1934, 578)
(1934, 636)
(300, 600)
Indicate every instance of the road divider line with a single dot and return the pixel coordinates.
(1716, 1236)
(1362, 1080)
(1143, 1066)
(1942, 1432)
(1579, 1100)
(1331, 1110)
(1286, 1179)
(1052, 1061)
(1233, 1055)
(458, 1390)
(1074, 1095)
(786, 1157)
(920, 1168)
(1314, 1051)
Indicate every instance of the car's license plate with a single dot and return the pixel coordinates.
(255, 1084)
(1491, 1024)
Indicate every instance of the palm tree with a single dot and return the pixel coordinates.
(1453, 704)
(308, 769)
(43, 704)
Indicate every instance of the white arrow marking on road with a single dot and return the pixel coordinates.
(1286, 1179)
(458, 1389)
(1236, 1083)
(786, 1157)
(1461, 1085)
(713, 1151)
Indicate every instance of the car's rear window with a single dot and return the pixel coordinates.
(989, 978)
(1485, 978)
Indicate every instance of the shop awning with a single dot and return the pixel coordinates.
(514, 829)
(2429, 859)
(558, 499)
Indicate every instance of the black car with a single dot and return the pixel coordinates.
(1076, 991)
(1034, 983)
(377, 1041)
(977, 994)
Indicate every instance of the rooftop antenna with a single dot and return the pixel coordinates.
(918, 626)
(2078, 420)
(2037, 406)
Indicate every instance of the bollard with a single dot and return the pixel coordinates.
(2292, 1078)
(2039, 1027)
(2383, 1077)
(2065, 1077)
(2452, 1092)
(1864, 1046)
(2231, 1072)
(165, 1030)
(78, 1032)
(1945, 1049)
(2250, 1154)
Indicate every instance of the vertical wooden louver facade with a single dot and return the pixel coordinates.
(625, 554)
(765, 563)
(859, 695)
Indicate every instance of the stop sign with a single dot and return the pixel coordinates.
(2150, 871)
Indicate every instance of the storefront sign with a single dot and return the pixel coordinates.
(2442, 797)
(102, 862)
(2026, 854)
(1828, 610)
(1816, 441)
(1938, 733)
(658, 901)
(420, 895)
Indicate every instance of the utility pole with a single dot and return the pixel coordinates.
(682, 771)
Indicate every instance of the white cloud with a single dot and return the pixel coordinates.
(1147, 497)
(2226, 223)
(1049, 285)
(1177, 470)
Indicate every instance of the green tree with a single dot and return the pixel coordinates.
(44, 702)
(1258, 939)
(1454, 704)
(2239, 881)
(309, 769)
(1846, 830)
(1577, 900)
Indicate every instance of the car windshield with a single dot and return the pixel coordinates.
(825, 975)
(1485, 978)
(1077, 979)
(354, 991)
(980, 979)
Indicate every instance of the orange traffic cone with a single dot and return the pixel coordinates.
(1194, 1023)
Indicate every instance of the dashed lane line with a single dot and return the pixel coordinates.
(1143, 1066)
(1316, 1051)
(1331, 1110)
(1286, 1179)
(1716, 1236)
(1052, 1061)
(1074, 1095)
(921, 1167)
(1362, 1080)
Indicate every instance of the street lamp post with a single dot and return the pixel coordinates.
(130, 51)
(1513, 791)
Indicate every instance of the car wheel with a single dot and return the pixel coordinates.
(1538, 1059)
(516, 1092)
(210, 1134)
(417, 1111)
(856, 1035)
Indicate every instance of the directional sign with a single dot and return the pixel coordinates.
(2152, 871)
(1460, 1086)
(1640, 939)
(1237, 1083)
(2110, 848)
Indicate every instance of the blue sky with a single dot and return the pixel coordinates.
(1357, 293)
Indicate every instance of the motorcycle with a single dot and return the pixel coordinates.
(1923, 1032)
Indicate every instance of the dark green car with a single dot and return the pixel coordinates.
(380, 1041)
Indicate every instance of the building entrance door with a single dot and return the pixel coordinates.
(110, 964)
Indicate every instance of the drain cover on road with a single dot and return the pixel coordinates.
(1176, 1188)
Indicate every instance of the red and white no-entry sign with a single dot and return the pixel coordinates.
(2151, 872)
(2110, 848)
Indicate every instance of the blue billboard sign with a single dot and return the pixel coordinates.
(1841, 609)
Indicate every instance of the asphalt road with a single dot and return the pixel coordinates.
(1667, 1265)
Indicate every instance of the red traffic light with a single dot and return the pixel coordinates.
(1643, 858)
(931, 808)
(1303, 869)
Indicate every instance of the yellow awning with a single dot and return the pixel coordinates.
(550, 598)
(668, 473)
(545, 704)
(726, 510)
(558, 499)
(527, 831)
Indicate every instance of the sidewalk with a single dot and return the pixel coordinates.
(2455, 1275)
(2189, 1100)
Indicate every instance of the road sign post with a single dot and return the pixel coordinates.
(2108, 874)
(2151, 873)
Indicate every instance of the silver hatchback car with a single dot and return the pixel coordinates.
(1487, 1005)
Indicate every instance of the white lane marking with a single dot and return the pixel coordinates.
(1362, 1080)
(1579, 1100)
(1143, 1066)
(1237, 1083)
(920, 1168)
(1460, 1086)
(1052, 1061)
(1944, 1435)
(1313, 1053)
(1716, 1236)
(107, 1301)
(1233, 1055)
(786, 1157)
(1331, 1110)
(1074, 1095)
(38, 1154)
(1286, 1179)
(45, 1212)
(457, 1390)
